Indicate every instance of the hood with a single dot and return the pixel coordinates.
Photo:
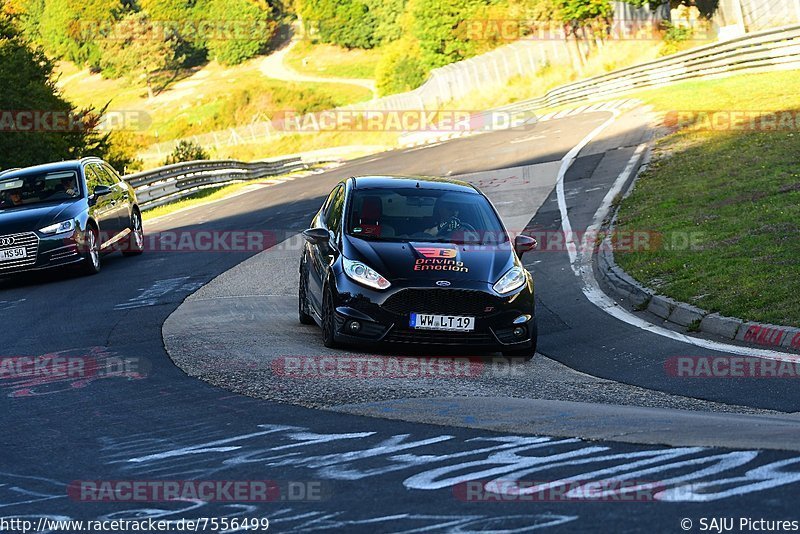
(431, 261)
(32, 218)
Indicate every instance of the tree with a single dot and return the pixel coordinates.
(241, 28)
(140, 51)
(347, 23)
(399, 68)
(74, 29)
(436, 25)
(28, 87)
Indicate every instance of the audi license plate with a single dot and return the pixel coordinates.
(450, 323)
(9, 254)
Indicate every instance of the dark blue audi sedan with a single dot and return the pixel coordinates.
(68, 213)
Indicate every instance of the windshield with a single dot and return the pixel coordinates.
(36, 188)
(424, 214)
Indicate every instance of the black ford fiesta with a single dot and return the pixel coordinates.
(66, 213)
(416, 260)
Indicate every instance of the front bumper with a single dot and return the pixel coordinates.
(384, 316)
(42, 252)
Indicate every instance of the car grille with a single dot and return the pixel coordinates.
(28, 240)
(405, 335)
(443, 301)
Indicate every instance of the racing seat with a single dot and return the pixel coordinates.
(370, 218)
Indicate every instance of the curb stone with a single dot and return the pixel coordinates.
(683, 314)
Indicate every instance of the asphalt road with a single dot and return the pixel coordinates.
(378, 475)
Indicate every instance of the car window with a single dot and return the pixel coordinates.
(112, 173)
(92, 180)
(104, 176)
(333, 217)
(22, 189)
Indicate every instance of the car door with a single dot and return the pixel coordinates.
(322, 255)
(124, 200)
(102, 209)
(116, 201)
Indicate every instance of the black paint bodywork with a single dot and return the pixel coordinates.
(110, 214)
(384, 314)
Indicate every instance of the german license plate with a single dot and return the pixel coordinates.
(8, 254)
(449, 323)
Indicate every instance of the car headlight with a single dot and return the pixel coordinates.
(59, 228)
(513, 279)
(364, 275)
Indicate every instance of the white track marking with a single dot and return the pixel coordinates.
(581, 263)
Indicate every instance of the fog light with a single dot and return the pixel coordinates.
(519, 331)
(354, 326)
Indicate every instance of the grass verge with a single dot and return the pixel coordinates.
(726, 203)
(328, 60)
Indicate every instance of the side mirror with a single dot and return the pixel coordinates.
(317, 236)
(101, 190)
(523, 244)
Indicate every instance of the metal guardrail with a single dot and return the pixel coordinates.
(174, 182)
(767, 50)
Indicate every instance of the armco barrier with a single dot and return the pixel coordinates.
(173, 182)
(767, 50)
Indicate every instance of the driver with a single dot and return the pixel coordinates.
(69, 186)
(14, 199)
(446, 216)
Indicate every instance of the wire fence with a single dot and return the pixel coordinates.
(526, 56)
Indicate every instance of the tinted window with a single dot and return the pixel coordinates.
(35, 188)
(104, 176)
(424, 214)
(333, 218)
(112, 173)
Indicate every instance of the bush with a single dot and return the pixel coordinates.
(399, 69)
(123, 150)
(186, 151)
(675, 38)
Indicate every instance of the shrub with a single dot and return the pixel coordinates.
(399, 68)
(186, 151)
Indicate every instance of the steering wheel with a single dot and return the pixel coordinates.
(453, 224)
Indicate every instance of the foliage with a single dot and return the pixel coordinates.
(140, 51)
(124, 146)
(242, 28)
(186, 151)
(27, 86)
(347, 23)
(73, 29)
(399, 68)
(674, 37)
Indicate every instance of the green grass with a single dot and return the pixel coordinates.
(333, 61)
(207, 99)
(736, 193)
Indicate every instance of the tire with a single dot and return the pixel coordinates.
(530, 352)
(91, 263)
(328, 321)
(302, 304)
(134, 246)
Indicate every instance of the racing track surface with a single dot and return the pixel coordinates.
(378, 474)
